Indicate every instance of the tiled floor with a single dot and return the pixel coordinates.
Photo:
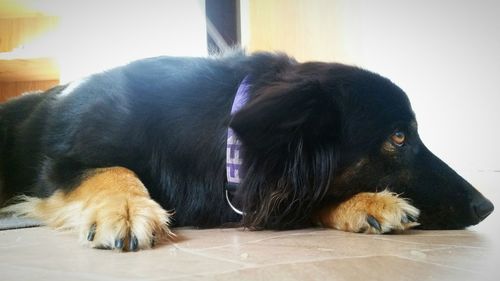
(234, 254)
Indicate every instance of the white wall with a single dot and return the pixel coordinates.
(444, 54)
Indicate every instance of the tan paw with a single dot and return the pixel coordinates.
(129, 224)
(110, 209)
(377, 213)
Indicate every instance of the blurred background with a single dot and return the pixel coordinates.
(443, 54)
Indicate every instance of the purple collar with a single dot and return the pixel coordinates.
(233, 156)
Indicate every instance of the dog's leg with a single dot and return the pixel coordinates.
(110, 209)
(370, 213)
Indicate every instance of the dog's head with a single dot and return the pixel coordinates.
(316, 132)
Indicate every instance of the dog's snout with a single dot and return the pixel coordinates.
(482, 207)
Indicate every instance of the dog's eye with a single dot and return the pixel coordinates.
(398, 138)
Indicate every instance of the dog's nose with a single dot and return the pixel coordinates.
(482, 207)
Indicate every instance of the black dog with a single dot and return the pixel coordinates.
(320, 143)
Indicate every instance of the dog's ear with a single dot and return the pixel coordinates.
(289, 135)
(284, 111)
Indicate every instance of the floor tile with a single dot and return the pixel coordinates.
(374, 268)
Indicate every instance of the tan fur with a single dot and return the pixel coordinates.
(113, 199)
(386, 207)
(388, 148)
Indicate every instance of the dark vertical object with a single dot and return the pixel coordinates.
(223, 15)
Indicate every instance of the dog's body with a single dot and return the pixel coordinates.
(321, 144)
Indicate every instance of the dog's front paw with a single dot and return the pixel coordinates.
(124, 223)
(111, 209)
(380, 212)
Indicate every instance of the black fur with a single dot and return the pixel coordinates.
(166, 119)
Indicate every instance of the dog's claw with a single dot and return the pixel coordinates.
(91, 235)
(373, 222)
(411, 218)
(153, 240)
(134, 243)
(405, 220)
(119, 243)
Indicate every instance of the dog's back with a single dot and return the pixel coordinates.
(17, 115)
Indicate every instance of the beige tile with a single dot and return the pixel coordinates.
(53, 254)
(215, 238)
(480, 260)
(303, 247)
(443, 238)
(367, 268)
(9, 272)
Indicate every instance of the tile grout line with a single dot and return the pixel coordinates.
(438, 264)
(201, 254)
(436, 244)
(258, 266)
(251, 241)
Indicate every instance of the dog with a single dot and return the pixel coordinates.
(124, 155)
